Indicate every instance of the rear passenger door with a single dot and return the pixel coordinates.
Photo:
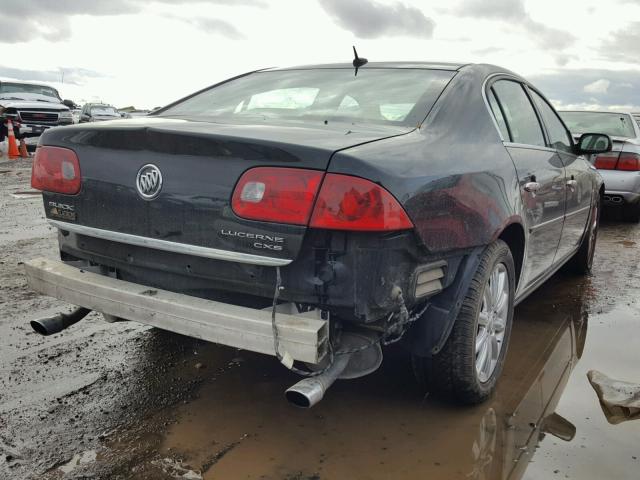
(540, 171)
(578, 187)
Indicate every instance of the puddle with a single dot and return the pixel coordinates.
(544, 417)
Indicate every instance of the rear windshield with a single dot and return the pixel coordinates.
(103, 111)
(375, 95)
(614, 124)
(6, 87)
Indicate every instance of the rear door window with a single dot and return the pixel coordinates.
(519, 113)
(558, 136)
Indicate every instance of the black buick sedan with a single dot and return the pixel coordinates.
(319, 213)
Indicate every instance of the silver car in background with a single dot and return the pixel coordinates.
(620, 168)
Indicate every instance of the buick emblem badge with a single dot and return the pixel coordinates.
(149, 181)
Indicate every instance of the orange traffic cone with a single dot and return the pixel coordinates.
(24, 153)
(13, 146)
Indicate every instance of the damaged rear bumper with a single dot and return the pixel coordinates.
(303, 336)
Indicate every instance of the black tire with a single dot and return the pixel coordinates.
(631, 213)
(582, 262)
(452, 372)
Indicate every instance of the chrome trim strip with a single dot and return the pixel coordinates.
(175, 247)
(486, 100)
(486, 103)
(529, 147)
(544, 224)
(580, 210)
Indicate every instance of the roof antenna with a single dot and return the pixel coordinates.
(358, 61)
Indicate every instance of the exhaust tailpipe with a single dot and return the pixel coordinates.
(306, 393)
(57, 323)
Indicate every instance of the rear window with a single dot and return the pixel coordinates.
(103, 111)
(614, 124)
(375, 95)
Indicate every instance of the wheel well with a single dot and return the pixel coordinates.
(513, 236)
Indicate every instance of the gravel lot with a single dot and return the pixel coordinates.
(122, 400)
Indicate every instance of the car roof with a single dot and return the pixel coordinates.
(412, 65)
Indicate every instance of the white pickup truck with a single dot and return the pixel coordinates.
(32, 108)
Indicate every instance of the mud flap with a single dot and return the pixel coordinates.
(429, 334)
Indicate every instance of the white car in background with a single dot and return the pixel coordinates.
(32, 108)
(620, 168)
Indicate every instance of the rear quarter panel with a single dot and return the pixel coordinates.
(452, 174)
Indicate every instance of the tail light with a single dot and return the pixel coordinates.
(288, 195)
(281, 195)
(352, 203)
(629, 162)
(607, 161)
(56, 169)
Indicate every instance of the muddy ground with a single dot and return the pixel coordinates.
(111, 401)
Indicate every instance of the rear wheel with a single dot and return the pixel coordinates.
(582, 261)
(467, 368)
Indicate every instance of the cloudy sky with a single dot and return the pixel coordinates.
(581, 53)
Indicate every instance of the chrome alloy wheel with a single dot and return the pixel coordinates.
(492, 321)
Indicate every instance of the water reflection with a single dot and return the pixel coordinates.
(378, 427)
(548, 339)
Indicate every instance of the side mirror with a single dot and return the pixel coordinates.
(590, 143)
(69, 103)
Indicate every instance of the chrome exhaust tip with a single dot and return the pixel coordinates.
(364, 357)
(308, 392)
(305, 394)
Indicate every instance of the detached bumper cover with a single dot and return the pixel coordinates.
(304, 338)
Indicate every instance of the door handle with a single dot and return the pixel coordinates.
(572, 183)
(532, 187)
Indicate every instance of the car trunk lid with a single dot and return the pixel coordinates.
(200, 163)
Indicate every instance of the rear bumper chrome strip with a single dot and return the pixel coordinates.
(304, 336)
(175, 247)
